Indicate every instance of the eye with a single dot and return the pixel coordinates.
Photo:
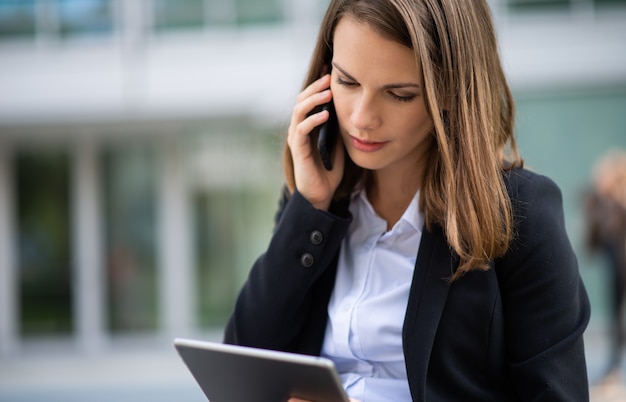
(345, 83)
(402, 98)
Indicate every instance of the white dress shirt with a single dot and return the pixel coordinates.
(367, 308)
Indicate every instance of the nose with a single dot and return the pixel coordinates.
(365, 115)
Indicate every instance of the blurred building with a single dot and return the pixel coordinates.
(140, 147)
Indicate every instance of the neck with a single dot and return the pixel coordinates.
(390, 195)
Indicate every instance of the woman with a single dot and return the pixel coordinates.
(605, 207)
(427, 264)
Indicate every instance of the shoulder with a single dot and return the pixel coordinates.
(538, 219)
(544, 300)
(524, 185)
(536, 199)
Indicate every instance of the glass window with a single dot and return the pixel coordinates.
(232, 228)
(130, 190)
(17, 18)
(215, 248)
(258, 11)
(235, 185)
(220, 12)
(538, 5)
(85, 17)
(44, 254)
(176, 14)
(610, 2)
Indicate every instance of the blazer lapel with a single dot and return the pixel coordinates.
(427, 299)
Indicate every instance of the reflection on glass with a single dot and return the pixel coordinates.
(85, 17)
(17, 18)
(130, 216)
(176, 14)
(43, 221)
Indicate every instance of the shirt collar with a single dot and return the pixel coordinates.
(412, 215)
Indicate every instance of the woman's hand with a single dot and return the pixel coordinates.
(313, 181)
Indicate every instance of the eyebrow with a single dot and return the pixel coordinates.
(388, 86)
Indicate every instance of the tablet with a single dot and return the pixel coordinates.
(228, 373)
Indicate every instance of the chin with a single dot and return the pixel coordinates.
(365, 161)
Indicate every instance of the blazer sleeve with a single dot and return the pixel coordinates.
(546, 308)
(274, 304)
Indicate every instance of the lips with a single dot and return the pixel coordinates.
(366, 146)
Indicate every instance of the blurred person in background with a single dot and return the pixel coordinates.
(605, 206)
(426, 263)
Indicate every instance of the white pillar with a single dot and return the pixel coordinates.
(8, 281)
(89, 279)
(177, 292)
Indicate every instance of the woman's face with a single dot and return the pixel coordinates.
(377, 91)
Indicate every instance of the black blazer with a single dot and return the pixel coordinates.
(512, 333)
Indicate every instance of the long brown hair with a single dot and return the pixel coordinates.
(472, 109)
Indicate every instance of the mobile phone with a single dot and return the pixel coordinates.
(327, 137)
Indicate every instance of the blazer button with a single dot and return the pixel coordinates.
(316, 237)
(307, 260)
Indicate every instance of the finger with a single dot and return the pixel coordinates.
(302, 112)
(302, 109)
(316, 86)
(299, 133)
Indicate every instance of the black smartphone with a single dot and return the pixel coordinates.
(327, 137)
